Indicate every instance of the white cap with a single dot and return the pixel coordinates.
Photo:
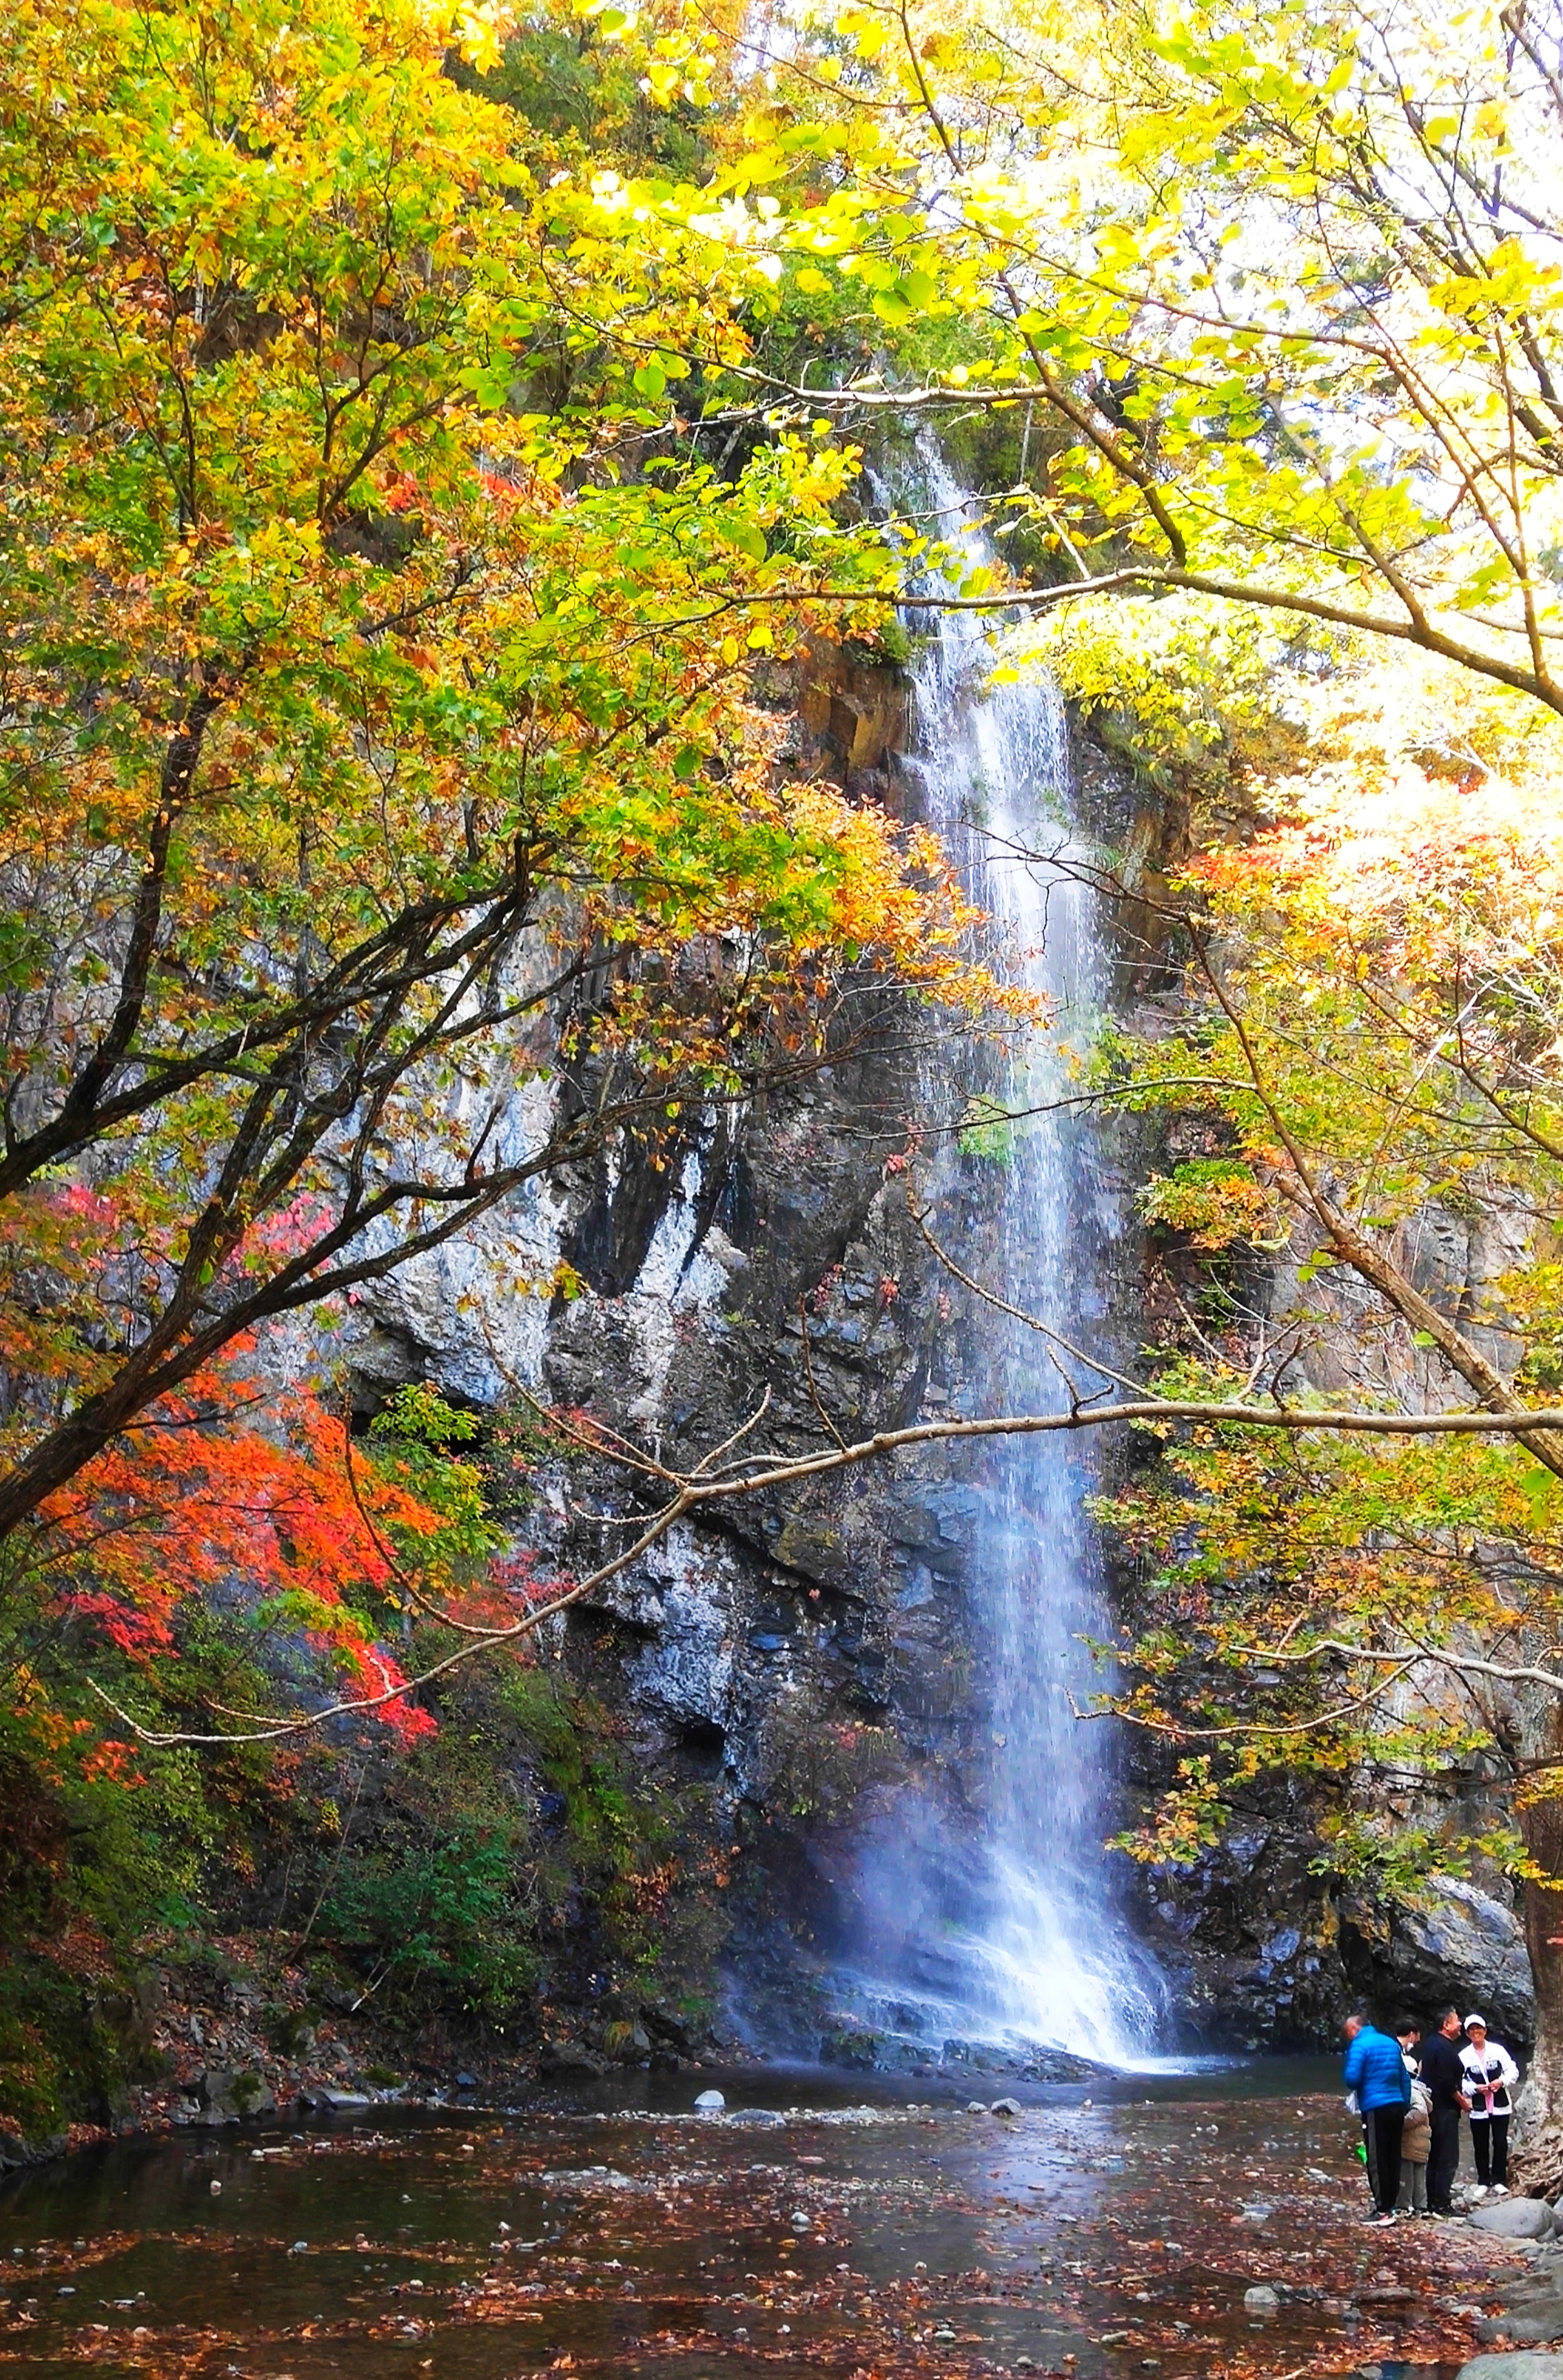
(1475, 2018)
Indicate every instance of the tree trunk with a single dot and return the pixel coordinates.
(1538, 2166)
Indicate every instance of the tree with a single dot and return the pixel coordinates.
(1285, 284)
(385, 821)
(1369, 1050)
(328, 1546)
(368, 752)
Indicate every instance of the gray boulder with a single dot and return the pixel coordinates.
(215, 2093)
(1454, 1941)
(1515, 2218)
(1540, 2322)
(1524, 2364)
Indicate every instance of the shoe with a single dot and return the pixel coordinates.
(1378, 2222)
(1500, 2190)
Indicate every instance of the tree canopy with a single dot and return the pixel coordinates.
(377, 733)
(1282, 283)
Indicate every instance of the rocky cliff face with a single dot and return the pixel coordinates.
(798, 1658)
(770, 1673)
(778, 1673)
(1263, 1951)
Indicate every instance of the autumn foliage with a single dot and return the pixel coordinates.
(379, 749)
(1377, 985)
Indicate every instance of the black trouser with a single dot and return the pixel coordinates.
(1383, 2127)
(1443, 2158)
(1489, 2138)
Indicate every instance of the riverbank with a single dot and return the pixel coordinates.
(1075, 2238)
(226, 2042)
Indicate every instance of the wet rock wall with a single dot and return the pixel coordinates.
(775, 1670)
(777, 1673)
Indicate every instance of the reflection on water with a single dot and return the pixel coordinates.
(1076, 2238)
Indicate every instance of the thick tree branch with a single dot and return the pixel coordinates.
(713, 1482)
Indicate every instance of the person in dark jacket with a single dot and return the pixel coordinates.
(1442, 2072)
(1375, 2074)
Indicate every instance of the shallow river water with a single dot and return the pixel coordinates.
(805, 2230)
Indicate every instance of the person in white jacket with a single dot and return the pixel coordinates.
(1489, 2074)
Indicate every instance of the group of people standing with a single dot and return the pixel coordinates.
(1412, 2089)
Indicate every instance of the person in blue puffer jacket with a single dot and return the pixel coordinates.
(1376, 2075)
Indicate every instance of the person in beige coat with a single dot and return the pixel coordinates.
(1416, 2137)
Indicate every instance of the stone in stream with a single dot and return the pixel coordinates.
(1006, 2108)
(1515, 2218)
(1540, 2322)
(214, 2091)
(1261, 2299)
(710, 2103)
(1524, 2365)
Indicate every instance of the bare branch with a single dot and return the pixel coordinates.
(716, 1486)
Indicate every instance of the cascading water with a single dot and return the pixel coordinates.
(995, 1921)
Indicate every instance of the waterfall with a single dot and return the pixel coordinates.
(998, 1923)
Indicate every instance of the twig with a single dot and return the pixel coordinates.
(331, 1872)
(809, 1375)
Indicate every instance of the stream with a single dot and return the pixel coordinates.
(801, 2231)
